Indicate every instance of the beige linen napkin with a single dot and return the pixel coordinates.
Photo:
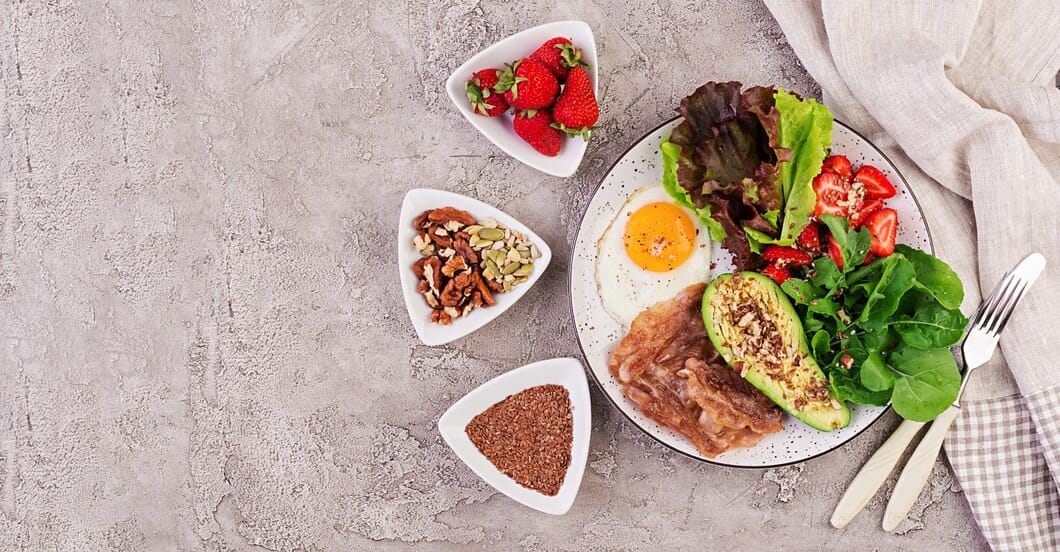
(962, 96)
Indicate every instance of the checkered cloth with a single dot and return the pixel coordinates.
(998, 455)
(962, 97)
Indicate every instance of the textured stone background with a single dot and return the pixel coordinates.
(203, 343)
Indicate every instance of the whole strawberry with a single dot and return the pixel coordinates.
(576, 110)
(484, 101)
(527, 85)
(559, 55)
(535, 127)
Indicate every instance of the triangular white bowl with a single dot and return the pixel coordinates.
(499, 129)
(567, 372)
(418, 201)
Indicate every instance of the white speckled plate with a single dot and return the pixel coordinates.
(598, 333)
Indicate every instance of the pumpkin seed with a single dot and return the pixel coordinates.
(491, 266)
(492, 234)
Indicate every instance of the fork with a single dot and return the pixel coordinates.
(978, 346)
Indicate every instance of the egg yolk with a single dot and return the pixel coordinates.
(659, 236)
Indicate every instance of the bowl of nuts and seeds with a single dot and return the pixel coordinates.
(462, 262)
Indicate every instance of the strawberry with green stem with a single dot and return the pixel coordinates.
(527, 84)
(559, 55)
(576, 110)
(484, 100)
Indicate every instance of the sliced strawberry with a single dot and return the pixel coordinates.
(810, 238)
(868, 258)
(876, 184)
(833, 195)
(779, 274)
(883, 225)
(868, 207)
(838, 164)
(834, 252)
(785, 256)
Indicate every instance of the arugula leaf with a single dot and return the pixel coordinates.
(820, 343)
(812, 324)
(875, 375)
(926, 384)
(805, 127)
(881, 340)
(934, 277)
(900, 331)
(670, 154)
(896, 276)
(800, 290)
(826, 274)
(824, 306)
(847, 386)
(853, 245)
(931, 326)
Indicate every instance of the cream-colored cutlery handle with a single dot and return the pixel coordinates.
(874, 473)
(917, 470)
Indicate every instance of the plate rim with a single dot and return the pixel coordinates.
(585, 358)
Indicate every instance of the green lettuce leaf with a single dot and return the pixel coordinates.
(805, 127)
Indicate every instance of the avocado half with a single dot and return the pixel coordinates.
(754, 326)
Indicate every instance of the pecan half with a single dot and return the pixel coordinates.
(443, 215)
(484, 290)
(441, 241)
(433, 273)
(464, 249)
(453, 292)
(420, 222)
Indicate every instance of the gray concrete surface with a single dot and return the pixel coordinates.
(203, 343)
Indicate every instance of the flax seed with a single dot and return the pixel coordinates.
(528, 436)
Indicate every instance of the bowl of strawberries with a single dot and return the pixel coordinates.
(534, 94)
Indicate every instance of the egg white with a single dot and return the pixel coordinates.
(625, 288)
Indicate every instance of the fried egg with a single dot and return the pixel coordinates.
(650, 251)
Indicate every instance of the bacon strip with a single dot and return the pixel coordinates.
(668, 367)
